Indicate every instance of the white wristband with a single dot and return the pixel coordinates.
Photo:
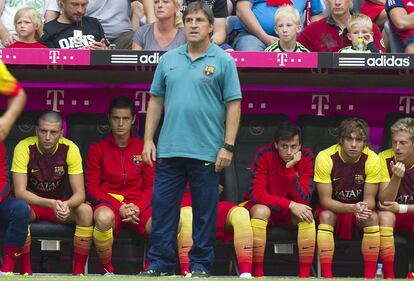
(403, 209)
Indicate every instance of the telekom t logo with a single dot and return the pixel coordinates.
(320, 104)
(55, 98)
(282, 58)
(54, 56)
(407, 100)
(141, 98)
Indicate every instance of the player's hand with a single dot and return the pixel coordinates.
(223, 159)
(9, 39)
(390, 206)
(61, 210)
(129, 213)
(302, 211)
(362, 212)
(149, 152)
(296, 158)
(397, 169)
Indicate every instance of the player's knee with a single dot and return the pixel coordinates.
(84, 214)
(327, 217)
(386, 218)
(260, 211)
(20, 210)
(104, 218)
(239, 215)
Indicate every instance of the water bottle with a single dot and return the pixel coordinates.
(378, 273)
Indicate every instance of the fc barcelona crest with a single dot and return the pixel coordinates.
(59, 170)
(208, 70)
(359, 179)
(137, 159)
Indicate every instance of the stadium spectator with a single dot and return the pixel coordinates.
(219, 8)
(115, 18)
(287, 24)
(166, 32)
(14, 214)
(359, 32)
(375, 10)
(255, 26)
(119, 183)
(48, 9)
(401, 16)
(233, 222)
(29, 28)
(281, 189)
(396, 191)
(196, 141)
(47, 174)
(328, 34)
(347, 176)
(73, 30)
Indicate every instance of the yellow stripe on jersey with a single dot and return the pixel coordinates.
(384, 155)
(8, 84)
(21, 156)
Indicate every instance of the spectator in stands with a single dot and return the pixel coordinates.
(281, 189)
(73, 30)
(196, 141)
(328, 34)
(287, 24)
(29, 28)
(255, 26)
(115, 18)
(219, 8)
(14, 214)
(119, 183)
(47, 174)
(401, 16)
(396, 191)
(359, 32)
(233, 222)
(48, 9)
(375, 10)
(166, 32)
(347, 176)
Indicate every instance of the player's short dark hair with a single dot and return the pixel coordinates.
(50, 116)
(287, 131)
(197, 6)
(354, 125)
(122, 102)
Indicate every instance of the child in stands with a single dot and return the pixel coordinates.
(29, 28)
(287, 24)
(360, 33)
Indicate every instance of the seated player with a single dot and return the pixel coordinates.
(119, 184)
(48, 175)
(347, 176)
(281, 189)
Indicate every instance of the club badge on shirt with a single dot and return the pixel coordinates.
(359, 179)
(59, 170)
(208, 70)
(137, 159)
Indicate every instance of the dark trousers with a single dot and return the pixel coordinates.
(171, 178)
(14, 219)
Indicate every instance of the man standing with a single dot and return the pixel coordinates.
(196, 142)
(48, 175)
(329, 34)
(396, 196)
(14, 215)
(73, 30)
(347, 176)
(281, 190)
(119, 183)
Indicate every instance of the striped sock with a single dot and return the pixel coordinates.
(370, 250)
(103, 243)
(387, 251)
(326, 247)
(306, 246)
(82, 242)
(259, 244)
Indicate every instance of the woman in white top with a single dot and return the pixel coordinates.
(165, 33)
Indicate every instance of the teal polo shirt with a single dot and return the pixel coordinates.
(195, 95)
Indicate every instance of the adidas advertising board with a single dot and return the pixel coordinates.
(126, 58)
(384, 61)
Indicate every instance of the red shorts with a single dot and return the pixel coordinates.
(405, 224)
(144, 216)
(224, 208)
(277, 218)
(345, 224)
(44, 214)
(371, 9)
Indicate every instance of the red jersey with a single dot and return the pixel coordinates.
(274, 185)
(119, 171)
(325, 36)
(23, 45)
(408, 6)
